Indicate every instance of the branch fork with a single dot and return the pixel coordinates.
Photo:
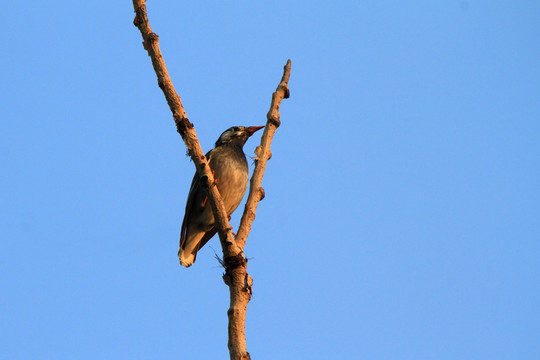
(236, 276)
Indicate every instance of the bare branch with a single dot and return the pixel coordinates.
(184, 127)
(256, 192)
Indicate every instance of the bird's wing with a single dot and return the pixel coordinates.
(207, 236)
(192, 191)
(190, 204)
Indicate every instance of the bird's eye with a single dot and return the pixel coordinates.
(236, 128)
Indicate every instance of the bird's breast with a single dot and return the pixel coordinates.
(232, 174)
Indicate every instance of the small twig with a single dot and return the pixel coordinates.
(220, 260)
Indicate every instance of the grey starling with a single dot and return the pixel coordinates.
(230, 168)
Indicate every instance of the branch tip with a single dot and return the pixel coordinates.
(286, 72)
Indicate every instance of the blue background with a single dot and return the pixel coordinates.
(401, 218)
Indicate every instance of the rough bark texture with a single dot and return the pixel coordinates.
(236, 276)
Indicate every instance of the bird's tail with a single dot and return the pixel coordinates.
(188, 253)
(186, 259)
(188, 249)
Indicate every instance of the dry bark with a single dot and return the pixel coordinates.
(234, 261)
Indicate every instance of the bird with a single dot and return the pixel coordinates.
(231, 174)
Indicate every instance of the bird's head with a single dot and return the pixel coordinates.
(237, 135)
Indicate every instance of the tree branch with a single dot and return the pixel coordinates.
(184, 127)
(256, 192)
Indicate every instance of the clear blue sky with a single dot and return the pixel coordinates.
(402, 212)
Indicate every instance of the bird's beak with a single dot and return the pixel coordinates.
(251, 130)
